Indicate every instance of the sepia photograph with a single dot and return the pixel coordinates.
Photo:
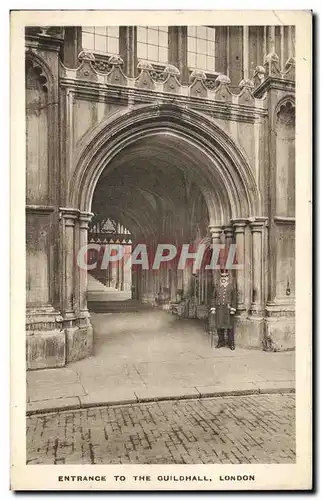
(160, 224)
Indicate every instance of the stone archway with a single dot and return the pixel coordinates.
(222, 158)
(198, 146)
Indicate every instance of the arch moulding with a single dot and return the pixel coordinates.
(223, 164)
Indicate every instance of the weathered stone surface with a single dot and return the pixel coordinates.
(45, 349)
(279, 334)
(79, 342)
(249, 332)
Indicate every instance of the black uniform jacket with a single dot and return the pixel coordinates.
(224, 300)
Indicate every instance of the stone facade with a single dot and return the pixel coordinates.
(175, 155)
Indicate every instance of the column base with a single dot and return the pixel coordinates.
(280, 327)
(79, 341)
(50, 343)
(249, 332)
(45, 338)
(45, 349)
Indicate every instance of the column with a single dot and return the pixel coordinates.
(290, 51)
(235, 51)
(282, 58)
(121, 280)
(113, 274)
(186, 281)
(229, 233)
(84, 219)
(271, 39)
(118, 274)
(221, 37)
(264, 44)
(128, 50)
(257, 228)
(245, 52)
(215, 232)
(239, 229)
(72, 46)
(178, 50)
(69, 217)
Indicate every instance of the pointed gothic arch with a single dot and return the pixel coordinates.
(226, 178)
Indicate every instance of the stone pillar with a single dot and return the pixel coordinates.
(177, 50)
(257, 230)
(128, 50)
(215, 232)
(271, 39)
(290, 41)
(235, 54)
(121, 280)
(69, 217)
(229, 233)
(72, 46)
(118, 274)
(221, 55)
(246, 52)
(239, 229)
(84, 219)
(186, 281)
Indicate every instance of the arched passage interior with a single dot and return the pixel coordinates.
(166, 174)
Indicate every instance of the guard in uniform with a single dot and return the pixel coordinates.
(222, 310)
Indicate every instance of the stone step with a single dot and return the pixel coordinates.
(115, 306)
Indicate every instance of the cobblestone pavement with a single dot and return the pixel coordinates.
(231, 429)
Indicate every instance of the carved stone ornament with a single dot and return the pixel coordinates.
(197, 75)
(271, 57)
(171, 70)
(223, 79)
(290, 69)
(271, 62)
(246, 83)
(286, 113)
(290, 63)
(86, 56)
(145, 66)
(115, 61)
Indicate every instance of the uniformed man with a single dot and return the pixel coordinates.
(222, 310)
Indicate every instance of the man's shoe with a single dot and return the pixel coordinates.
(232, 347)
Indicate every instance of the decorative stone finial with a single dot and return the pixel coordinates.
(259, 75)
(289, 69)
(197, 74)
(145, 66)
(115, 61)
(271, 57)
(246, 83)
(223, 79)
(290, 63)
(260, 71)
(171, 70)
(86, 56)
(271, 63)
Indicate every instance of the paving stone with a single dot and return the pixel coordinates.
(156, 393)
(250, 429)
(53, 384)
(108, 397)
(53, 405)
(227, 389)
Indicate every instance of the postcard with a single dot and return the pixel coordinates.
(161, 250)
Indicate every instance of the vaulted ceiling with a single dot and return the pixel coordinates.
(153, 189)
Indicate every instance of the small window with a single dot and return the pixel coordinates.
(152, 43)
(201, 48)
(104, 39)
